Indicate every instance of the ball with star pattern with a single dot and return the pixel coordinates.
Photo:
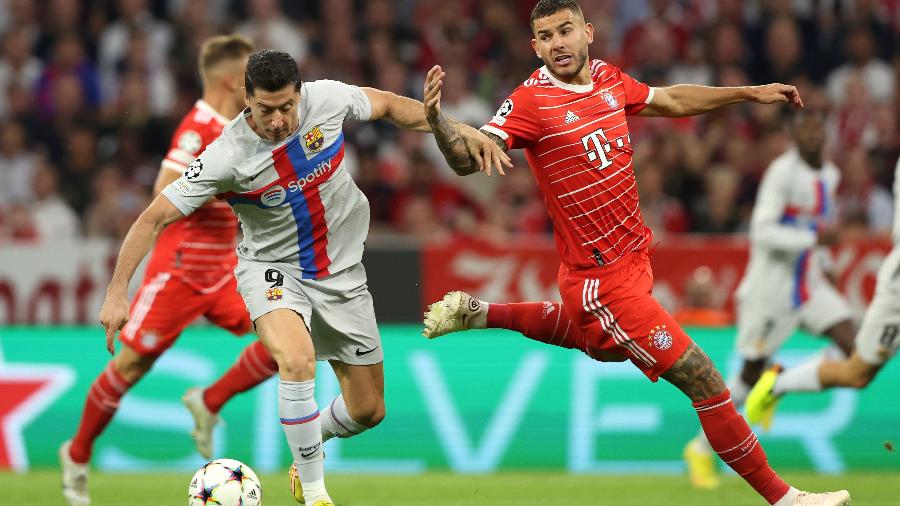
(225, 482)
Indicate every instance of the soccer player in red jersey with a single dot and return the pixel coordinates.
(190, 274)
(570, 118)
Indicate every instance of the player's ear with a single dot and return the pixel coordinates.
(589, 30)
(534, 47)
(246, 98)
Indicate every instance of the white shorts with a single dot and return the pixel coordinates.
(765, 324)
(337, 310)
(879, 334)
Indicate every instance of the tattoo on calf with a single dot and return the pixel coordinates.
(695, 375)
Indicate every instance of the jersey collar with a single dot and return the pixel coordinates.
(576, 88)
(205, 107)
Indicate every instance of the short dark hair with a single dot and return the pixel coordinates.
(546, 8)
(271, 70)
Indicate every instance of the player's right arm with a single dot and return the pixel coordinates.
(465, 153)
(767, 226)
(205, 177)
(137, 243)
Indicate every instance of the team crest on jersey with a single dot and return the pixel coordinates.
(149, 338)
(193, 170)
(314, 139)
(190, 142)
(610, 100)
(274, 293)
(274, 196)
(660, 338)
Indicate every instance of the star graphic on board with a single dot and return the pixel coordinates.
(28, 389)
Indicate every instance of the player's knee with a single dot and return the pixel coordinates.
(860, 379)
(296, 368)
(370, 413)
(132, 367)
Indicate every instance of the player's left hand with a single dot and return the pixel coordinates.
(485, 151)
(777, 92)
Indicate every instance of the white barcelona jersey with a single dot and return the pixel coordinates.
(794, 199)
(295, 201)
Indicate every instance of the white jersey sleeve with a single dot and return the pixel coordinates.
(766, 228)
(350, 101)
(207, 176)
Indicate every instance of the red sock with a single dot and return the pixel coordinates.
(546, 322)
(253, 366)
(99, 408)
(737, 446)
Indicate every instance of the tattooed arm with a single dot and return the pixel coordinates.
(466, 149)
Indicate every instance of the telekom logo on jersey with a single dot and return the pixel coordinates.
(598, 146)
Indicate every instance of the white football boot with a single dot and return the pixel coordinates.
(839, 498)
(204, 421)
(456, 311)
(74, 478)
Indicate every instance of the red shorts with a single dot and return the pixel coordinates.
(616, 312)
(165, 305)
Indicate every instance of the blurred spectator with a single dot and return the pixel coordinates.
(133, 15)
(718, 212)
(875, 73)
(860, 198)
(783, 61)
(267, 26)
(78, 165)
(114, 206)
(662, 213)
(53, 218)
(18, 65)
(69, 61)
(17, 165)
(700, 306)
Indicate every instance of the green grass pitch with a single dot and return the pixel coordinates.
(41, 488)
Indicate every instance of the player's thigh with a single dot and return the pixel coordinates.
(762, 327)
(879, 334)
(618, 315)
(363, 389)
(824, 310)
(343, 323)
(226, 309)
(280, 313)
(162, 308)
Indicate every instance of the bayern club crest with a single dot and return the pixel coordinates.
(314, 139)
(610, 100)
(660, 338)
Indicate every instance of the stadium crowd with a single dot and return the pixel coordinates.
(91, 91)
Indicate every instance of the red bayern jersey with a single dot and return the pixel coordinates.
(200, 248)
(577, 144)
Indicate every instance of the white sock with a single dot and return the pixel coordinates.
(303, 429)
(739, 391)
(788, 498)
(805, 376)
(337, 422)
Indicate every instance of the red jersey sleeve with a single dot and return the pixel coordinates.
(637, 94)
(515, 120)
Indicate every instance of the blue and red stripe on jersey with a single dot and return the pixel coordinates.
(291, 165)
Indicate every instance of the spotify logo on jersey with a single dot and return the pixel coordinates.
(274, 196)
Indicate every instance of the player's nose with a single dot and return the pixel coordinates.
(277, 120)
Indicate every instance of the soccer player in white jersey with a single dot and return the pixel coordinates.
(304, 224)
(876, 342)
(785, 284)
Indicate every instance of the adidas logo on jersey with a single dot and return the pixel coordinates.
(571, 117)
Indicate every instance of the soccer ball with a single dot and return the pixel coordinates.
(225, 482)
